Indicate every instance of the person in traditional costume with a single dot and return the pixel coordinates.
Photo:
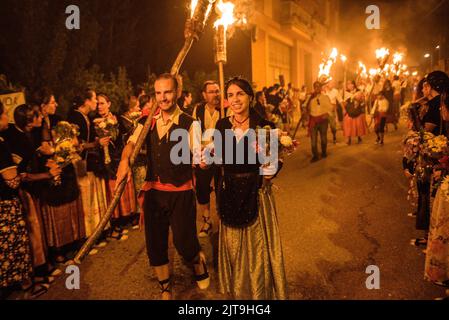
(21, 238)
(127, 205)
(24, 142)
(379, 113)
(90, 169)
(436, 84)
(431, 121)
(169, 198)
(250, 259)
(319, 108)
(207, 113)
(354, 122)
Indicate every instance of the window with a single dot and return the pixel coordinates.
(279, 61)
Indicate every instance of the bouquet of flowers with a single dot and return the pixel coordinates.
(65, 145)
(286, 144)
(107, 127)
(434, 147)
(134, 117)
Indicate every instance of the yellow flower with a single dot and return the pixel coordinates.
(286, 141)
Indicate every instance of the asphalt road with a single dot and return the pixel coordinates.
(337, 217)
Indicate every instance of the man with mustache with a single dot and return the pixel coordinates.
(208, 113)
(169, 199)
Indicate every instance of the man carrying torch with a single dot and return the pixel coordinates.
(169, 199)
(169, 189)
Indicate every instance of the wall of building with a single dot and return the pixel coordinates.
(288, 39)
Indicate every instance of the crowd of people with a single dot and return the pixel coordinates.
(425, 164)
(49, 206)
(51, 201)
(334, 106)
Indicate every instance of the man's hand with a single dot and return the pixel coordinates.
(123, 172)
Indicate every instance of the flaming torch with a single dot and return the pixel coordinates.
(325, 67)
(226, 14)
(200, 11)
(382, 56)
(397, 58)
(373, 72)
(362, 70)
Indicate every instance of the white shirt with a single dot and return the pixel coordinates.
(320, 105)
(210, 121)
(380, 106)
(334, 95)
(163, 128)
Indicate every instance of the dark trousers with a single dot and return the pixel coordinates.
(320, 128)
(203, 179)
(177, 210)
(380, 126)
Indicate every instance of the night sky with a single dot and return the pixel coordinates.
(145, 36)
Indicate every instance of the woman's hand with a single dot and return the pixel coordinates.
(46, 149)
(104, 142)
(55, 169)
(408, 174)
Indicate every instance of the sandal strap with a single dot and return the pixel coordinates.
(204, 275)
(206, 219)
(165, 288)
(206, 222)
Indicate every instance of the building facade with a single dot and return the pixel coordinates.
(288, 39)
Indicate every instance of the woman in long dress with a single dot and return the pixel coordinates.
(250, 262)
(354, 122)
(127, 204)
(24, 144)
(89, 170)
(16, 261)
(437, 252)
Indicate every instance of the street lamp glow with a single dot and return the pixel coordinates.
(437, 47)
(343, 58)
(427, 55)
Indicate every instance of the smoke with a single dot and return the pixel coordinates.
(407, 26)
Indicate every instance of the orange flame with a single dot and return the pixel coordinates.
(325, 67)
(193, 5)
(226, 14)
(373, 72)
(397, 58)
(382, 53)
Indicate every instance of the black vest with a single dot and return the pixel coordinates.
(159, 163)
